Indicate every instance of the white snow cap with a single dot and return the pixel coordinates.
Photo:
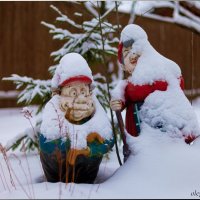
(133, 31)
(151, 65)
(71, 65)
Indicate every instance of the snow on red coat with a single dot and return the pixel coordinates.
(135, 94)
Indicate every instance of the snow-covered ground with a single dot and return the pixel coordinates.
(27, 179)
(161, 167)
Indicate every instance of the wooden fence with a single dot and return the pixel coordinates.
(25, 44)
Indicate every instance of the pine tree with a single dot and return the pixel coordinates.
(87, 41)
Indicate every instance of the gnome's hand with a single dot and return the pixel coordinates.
(94, 136)
(116, 105)
(74, 153)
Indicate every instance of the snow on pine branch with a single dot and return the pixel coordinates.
(29, 136)
(32, 88)
(89, 6)
(89, 41)
(108, 12)
(59, 32)
(64, 18)
(78, 14)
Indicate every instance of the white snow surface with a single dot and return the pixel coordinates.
(54, 125)
(171, 110)
(118, 92)
(133, 31)
(159, 167)
(152, 66)
(72, 64)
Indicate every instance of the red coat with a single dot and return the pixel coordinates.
(138, 93)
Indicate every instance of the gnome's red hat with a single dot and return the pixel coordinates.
(72, 67)
(126, 43)
(80, 78)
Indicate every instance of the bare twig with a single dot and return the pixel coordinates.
(29, 171)
(192, 67)
(29, 197)
(108, 89)
(4, 178)
(28, 115)
(117, 17)
(20, 163)
(3, 151)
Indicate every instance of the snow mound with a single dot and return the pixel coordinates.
(159, 167)
(171, 112)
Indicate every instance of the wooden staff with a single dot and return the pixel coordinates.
(126, 151)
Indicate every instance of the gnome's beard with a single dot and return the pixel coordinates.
(77, 109)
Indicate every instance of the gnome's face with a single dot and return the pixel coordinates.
(130, 59)
(76, 101)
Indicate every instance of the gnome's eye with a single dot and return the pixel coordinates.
(73, 93)
(83, 92)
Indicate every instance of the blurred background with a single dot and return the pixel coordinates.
(173, 29)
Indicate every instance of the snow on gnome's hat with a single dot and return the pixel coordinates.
(131, 33)
(72, 67)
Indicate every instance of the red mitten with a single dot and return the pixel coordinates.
(190, 138)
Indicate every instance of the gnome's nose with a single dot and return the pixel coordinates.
(132, 58)
(81, 100)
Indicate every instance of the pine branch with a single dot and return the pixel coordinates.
(91, 9)
(65, 18)
(31, 140)
(87, 43)
(59, 33)
(34, 91)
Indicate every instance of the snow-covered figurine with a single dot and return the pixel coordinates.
(75, 130)
(153, 93)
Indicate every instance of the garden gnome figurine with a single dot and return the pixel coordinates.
(150, 74)
(75, 130)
